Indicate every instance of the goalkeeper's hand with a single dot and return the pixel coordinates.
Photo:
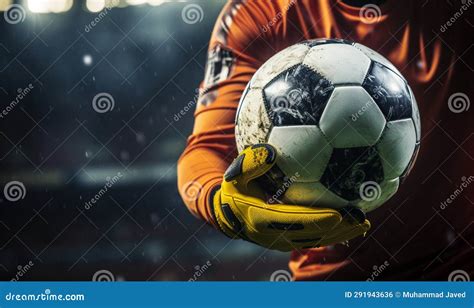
(240, 210)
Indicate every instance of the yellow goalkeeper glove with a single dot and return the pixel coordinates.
(240, 211)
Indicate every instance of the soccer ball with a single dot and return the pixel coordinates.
(342, 118)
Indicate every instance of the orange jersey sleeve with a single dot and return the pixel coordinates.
(235, 53)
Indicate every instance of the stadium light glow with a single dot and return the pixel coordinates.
(56, 6)
(136, 2)
(156, 2)
(38, 6)
(4, 4)
(95, 5)
(49, 6)
(87, 59)
(113, 3)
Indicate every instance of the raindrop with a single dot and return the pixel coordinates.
(87, 59)
(124, 155)
(140, 137)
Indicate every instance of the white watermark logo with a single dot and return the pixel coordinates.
(377, 271)
(290, 100)
(15, 14)
(192, 190)
(458, 102)
(14, 191)
(103, 275)
(466, 4)
(355, 116)
(466, 181)
(189, 106)
(370, 191)
(22, 93)
(103, 102)
(200, 270)
(192, 14)
(22, 270)
(46, 296)
(459, 275)
(110, 181)
(370, 13)
(280, 276)
(109, 5)
(281, 191)
(278, 16)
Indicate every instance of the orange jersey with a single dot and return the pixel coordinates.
(426, 230)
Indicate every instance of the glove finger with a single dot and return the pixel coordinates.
(288, 240)
(338, 235)
(353, 224)
(351, 215)
(345, 233)
(276, 219)
(252, 163)
(302, 227)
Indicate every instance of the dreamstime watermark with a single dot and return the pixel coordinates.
(356, 115)
(459, 102)
(15, 14)
(466, 181)
(370, 13)
(103, 102)
(22, 270)
(110, 181)
(200, 270)
(46, 296)
(289, 100)
(464, 7)
(103, 276)
(192, 14)
(14, 191)
(278, 16)
(280, 276)
(459, 275)
(370, 191)
(108, 6)
(22, 93)
(281, 191)
(377, 270)
(192, 191)
(188, 107)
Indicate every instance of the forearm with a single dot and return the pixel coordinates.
(201, 167)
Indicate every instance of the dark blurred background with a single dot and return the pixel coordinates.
(90, 95)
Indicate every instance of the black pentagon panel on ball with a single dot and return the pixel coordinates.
(316, 42)
(349, 168)
(389, 91)
(297, 96)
